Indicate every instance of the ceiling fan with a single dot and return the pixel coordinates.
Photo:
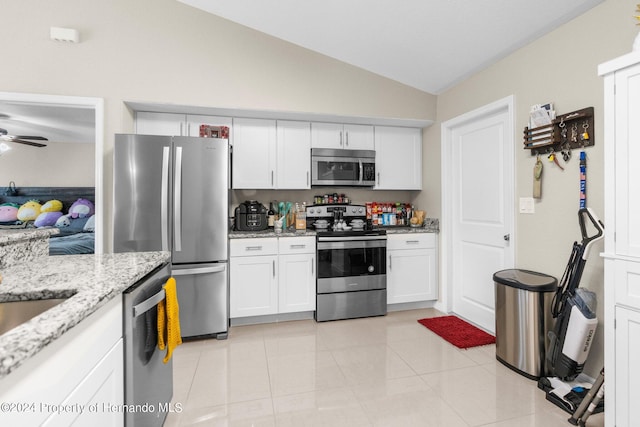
(22, 139)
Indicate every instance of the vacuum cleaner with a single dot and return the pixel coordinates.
(574, 308)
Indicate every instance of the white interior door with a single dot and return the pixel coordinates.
(479, 202)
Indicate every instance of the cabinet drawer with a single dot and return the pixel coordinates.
(411, 241)
(253, 247)
(296, 245)
(628, 283)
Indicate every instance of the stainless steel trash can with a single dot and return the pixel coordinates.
(523, 318)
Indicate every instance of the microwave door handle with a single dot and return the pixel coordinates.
(360, 171)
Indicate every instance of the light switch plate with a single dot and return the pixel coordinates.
(527, 205)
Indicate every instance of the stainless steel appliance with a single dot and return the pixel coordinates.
(148, 380)
(338, 167)
(351, 264)
(171, 193)
(251, 216)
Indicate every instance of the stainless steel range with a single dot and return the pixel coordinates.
(351, 263)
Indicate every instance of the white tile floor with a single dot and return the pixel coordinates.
(382, 371)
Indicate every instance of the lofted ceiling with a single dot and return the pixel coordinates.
(430, 45)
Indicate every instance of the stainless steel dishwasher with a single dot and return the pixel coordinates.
(148, 381)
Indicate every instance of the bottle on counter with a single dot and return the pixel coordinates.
(271, 216)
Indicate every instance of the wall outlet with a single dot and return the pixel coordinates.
(527, 205)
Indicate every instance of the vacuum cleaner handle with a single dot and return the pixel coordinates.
(587, 240)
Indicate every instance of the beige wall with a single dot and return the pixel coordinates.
(162, 51)
(560, 67)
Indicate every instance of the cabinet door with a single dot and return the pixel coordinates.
(102, 385)
(254, 154)
(297, 283)
(327, 135)
(294, 155)
(627, 368)
(627, 154)
(194, 122)
(168, 124)
(253, 286)
(398, 158)
(411, 275)
(358, 137)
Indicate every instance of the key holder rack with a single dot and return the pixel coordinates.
(568, 131)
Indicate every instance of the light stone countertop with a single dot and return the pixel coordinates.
(234, 234)
(16, 235)
(431, 225)
(93, 280)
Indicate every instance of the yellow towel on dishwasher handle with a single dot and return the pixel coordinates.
(169, 320)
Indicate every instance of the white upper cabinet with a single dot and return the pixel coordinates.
(254, 154)
(159, 123)
(293, 164)
(172, 124)
(345, 136)
(398, 158)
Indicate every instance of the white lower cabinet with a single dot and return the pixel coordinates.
(627, 371)
(297, 281)
(253, 275)
(411, 268)
(75, 379)
(271, 276)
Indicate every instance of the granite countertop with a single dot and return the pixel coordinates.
(16, 235)
(92, 280)
(234, 234)
(431, 225)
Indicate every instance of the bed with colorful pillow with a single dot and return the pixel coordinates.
(69, 209)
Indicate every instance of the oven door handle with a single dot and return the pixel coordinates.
(350, 238)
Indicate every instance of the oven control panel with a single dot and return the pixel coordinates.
(331, 210)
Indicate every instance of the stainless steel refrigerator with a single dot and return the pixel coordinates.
(171, 193)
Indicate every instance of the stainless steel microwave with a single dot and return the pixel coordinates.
(335, 167)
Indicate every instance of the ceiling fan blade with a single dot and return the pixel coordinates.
(37, 138)
(34, 144)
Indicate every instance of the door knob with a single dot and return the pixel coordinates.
(507, 237)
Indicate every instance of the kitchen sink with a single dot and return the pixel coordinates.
(15, 313)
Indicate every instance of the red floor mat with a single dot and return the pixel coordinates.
(457, 331)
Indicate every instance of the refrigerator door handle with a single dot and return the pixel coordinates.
(193, 271)
(164, 200)
(177, 202)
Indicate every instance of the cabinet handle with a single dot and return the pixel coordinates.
(181, 129)
(274, 268)
(390, 258)
(341, 138)
(378, 178)
(272, 178)
(307, 178)
(412, 242)
(346, 138)
(297, 246)
(253, 248)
